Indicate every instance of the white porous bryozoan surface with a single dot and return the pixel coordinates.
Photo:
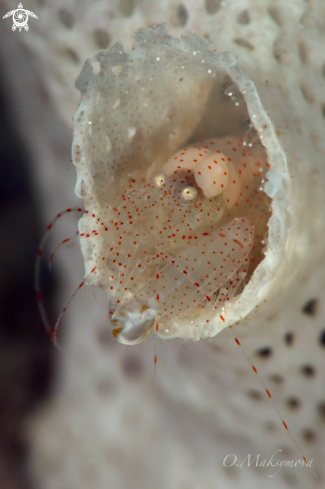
(168, 91)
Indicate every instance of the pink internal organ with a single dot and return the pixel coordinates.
(221, 166)
(212, 176)
(210, 168)
(243, 195)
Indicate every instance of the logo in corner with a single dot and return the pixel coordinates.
(20, 18)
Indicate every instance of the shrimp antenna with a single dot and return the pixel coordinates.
(275, 407)
(52, 332)
(38, 292)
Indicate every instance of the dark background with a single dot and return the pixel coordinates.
(26, 356)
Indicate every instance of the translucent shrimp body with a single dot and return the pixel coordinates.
(175, 248)
(155, 281)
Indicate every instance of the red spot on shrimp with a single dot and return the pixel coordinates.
(238, 242)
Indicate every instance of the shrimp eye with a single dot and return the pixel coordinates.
(189, 193)
(159, 180)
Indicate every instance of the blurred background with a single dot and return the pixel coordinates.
(26, 357)
(34, 146)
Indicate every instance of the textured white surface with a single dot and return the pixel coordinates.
(169, 90)
(105, 429)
